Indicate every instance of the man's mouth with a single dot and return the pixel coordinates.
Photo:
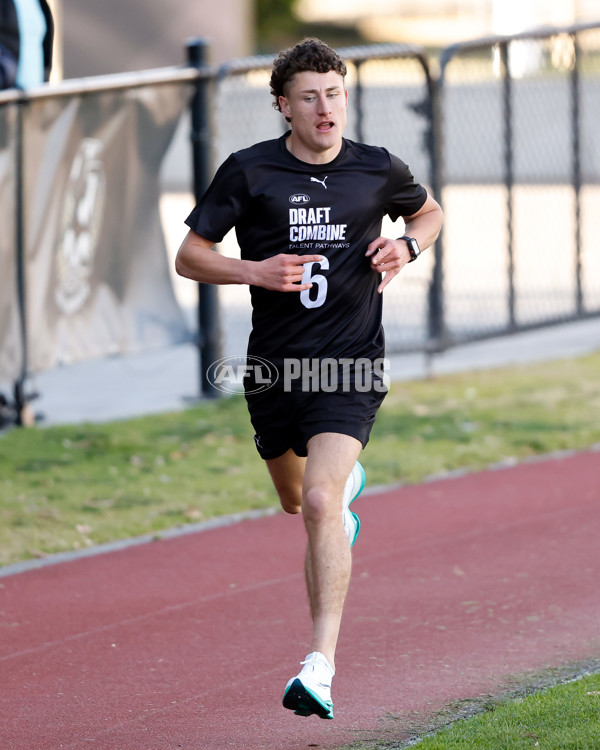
(325, 126)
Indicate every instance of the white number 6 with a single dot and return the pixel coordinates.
(318, 279)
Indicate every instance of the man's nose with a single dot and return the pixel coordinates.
(323, 101)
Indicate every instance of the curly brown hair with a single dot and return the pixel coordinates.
(309, 54)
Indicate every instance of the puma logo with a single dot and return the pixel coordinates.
(321, 182)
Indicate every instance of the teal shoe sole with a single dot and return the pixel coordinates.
(303, 703)
(363, 481)
(357, 519)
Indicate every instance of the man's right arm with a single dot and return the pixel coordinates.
(196, 260)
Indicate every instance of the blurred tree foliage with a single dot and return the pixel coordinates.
(276, 24)
(277, 27)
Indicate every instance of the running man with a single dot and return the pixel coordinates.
(307, 209)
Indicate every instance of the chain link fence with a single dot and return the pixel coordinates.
(502, 131)
(504, 136)
(519, 182)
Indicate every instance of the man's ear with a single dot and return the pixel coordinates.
(285, 107)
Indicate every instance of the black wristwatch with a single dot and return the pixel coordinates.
(413, 247)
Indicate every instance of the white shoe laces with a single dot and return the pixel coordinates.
(316, 660)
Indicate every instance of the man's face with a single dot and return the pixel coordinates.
(316, 104)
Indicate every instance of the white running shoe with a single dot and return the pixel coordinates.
(310, 691)
(355, 484)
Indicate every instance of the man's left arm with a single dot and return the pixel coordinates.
(390, 256)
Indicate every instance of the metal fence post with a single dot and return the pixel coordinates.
(358, 102)
(509, 179)
(208, 303)
(20, 397)
(436, 324)
(576, 145)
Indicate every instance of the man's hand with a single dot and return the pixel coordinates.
(280, 273)
(388, 257)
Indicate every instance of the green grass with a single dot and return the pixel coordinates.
(564, 717)
(64, 488)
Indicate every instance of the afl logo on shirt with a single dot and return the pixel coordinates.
(299, 199)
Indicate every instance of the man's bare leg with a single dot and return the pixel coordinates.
(331, 457)
(287, 475)
(315, 486)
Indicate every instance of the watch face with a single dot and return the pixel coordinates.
(413, 247)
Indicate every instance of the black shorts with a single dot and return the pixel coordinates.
(289, 419)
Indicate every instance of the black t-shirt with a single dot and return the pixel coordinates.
(279, 204)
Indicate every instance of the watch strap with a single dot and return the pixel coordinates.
(411, 242)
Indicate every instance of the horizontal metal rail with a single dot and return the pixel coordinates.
(354, 55)
(108, 83)
(541, 32)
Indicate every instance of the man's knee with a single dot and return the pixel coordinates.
(291, 501)
(287, 474)
(319, 504)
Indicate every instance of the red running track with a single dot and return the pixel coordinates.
(188, 642)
